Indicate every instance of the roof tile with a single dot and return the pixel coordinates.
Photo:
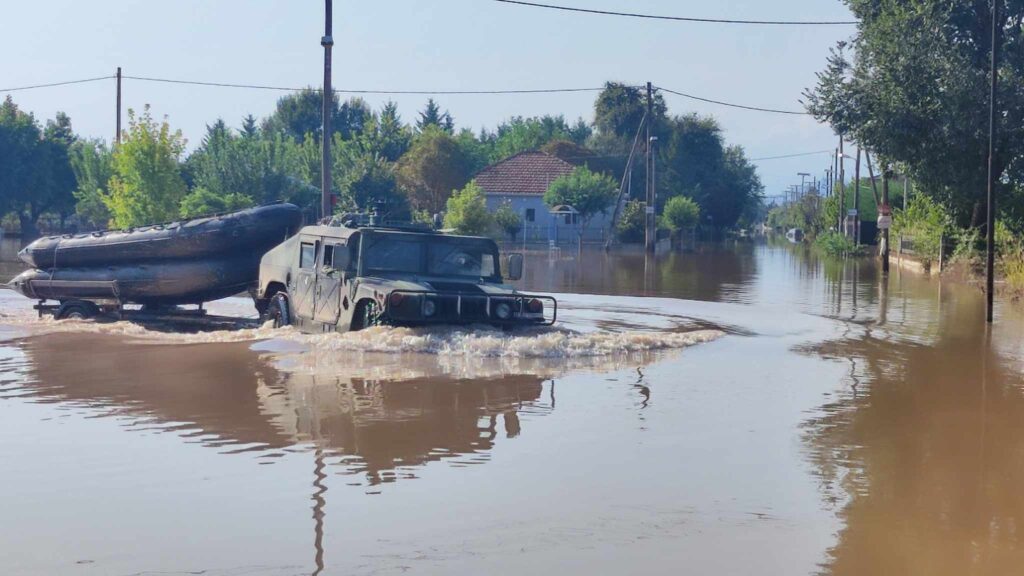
(529, 172)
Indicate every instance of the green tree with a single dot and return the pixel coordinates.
(467, 211)
(201, 202)
(385, 135)
(680, 213)
(434, 166)
(695, 162)
(301, 113)
(589, 193)
(508, 220)
(520, 134)
(365, 180)
(914, 91)
(630, 225)
(146, 185)
(90, 161)
(618, 111)
(433, 116)
(35, 172)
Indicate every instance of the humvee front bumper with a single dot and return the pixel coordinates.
(414, 307)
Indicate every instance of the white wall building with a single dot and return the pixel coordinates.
(521, 181)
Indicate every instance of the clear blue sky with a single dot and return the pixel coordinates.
(418, 44)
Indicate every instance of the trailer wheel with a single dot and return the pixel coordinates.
(278, 311)
(76, 311)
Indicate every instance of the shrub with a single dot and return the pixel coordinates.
(467, 211)
(834, 243)
(926, 221)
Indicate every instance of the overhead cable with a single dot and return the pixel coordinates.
(731, 105)
(792, 155)
(55, 84)
(354, 91)
(684, 18)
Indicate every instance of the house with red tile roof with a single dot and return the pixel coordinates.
(520, 181)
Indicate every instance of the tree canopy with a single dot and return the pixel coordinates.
(146, 185)
(588, 193)
(912, 87)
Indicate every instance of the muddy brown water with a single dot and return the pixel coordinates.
(844, 424)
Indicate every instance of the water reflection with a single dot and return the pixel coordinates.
(227, 396)
(712, 272)
(923, 454)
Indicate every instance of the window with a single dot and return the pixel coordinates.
(531, 215)
(328, 255)
(468, 259)
(307, 255)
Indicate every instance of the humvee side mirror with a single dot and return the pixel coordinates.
(341, 258)
(515, 266)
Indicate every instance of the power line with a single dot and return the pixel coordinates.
(354, 91)
(55, 84)
(683, 18)
(719, 102)
(792, 155)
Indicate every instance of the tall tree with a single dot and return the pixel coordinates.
(520, 134)
(90, 161)
(35, 173)
(385, 135)
(146, 185)
(915, 89)
(433, 167)
(589, 193)
(433, 116)
(301, 113)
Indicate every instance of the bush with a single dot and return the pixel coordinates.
(833, 243)
(926, 221)
(630, 226)
(467, 211)
(680, 212)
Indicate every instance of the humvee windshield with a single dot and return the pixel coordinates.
(429, 254)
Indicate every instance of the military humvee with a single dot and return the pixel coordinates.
(347, 277)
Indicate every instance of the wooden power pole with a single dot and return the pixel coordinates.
(117, 136)
(990, 222)
(856, 198)
(328, 107)
(650, 227)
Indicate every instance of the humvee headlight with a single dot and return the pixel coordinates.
(429, 308)
(503, 311)
(396, 299)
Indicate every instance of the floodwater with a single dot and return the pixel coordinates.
(757, 411)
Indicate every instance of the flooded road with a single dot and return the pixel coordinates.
(761, 411)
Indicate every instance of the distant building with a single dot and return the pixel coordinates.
(521, 181)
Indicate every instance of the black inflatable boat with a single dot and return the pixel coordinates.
(187, 262)
(262, 227)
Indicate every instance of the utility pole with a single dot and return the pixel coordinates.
(117, 137)
(842, 188)
(328, 107)
(885, 233)
(856, 198)
(990, 223)
(651, 232)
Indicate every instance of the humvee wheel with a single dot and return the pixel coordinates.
(278, 311)
(366, 314)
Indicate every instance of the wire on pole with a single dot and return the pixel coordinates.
(683, 18)
(66, 82)
(732, 105)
